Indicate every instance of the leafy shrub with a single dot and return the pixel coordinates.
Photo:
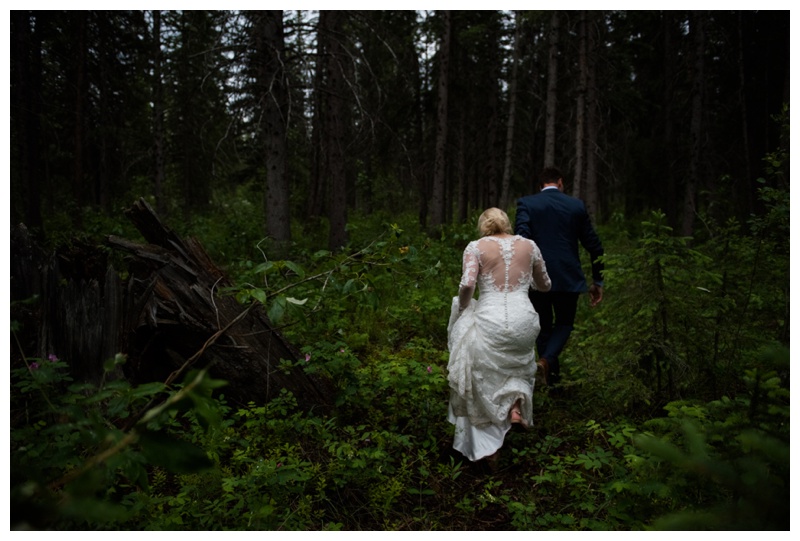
(680, 331)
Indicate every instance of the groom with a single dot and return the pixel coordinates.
(557, 222)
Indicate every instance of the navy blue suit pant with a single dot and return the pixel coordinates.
(556, 311)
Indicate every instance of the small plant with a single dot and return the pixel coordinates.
(74, 464)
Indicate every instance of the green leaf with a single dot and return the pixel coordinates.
(173, 454)
(147, 389)
(115, 361)
(260, 295)
(264, 267)
(277, 309)
(296, 268)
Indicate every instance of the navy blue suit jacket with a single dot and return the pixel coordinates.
(557, 222)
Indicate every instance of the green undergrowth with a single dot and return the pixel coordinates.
(673, 413)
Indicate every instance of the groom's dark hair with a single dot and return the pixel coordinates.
(549, 175)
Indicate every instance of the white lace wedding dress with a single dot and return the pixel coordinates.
(492, 341)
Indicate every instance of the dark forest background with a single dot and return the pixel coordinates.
(311, 116)
(235, 237)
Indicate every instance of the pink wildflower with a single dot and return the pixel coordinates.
(429, 369)
(34, 366)
(308, 357)
(52, 358)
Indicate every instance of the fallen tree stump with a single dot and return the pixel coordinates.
(169, 315)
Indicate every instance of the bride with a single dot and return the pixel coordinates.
(492, 341)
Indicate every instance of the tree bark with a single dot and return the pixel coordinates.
(26, 88)
(158, 117)
(79, 131)
(592, 193)
(696, 26)
(463, 186)
(440, 165)
(552, 94)
(580, 107)
(317, 194)
(748, 173)
(512, 114)
(269, 42)
(168, 316)
(669, 182)
(492, 169)
(330, 38)
(174, 310)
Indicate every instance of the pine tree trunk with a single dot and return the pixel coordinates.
(158, 117)
(463, 185)
(592, 193)
(440, 165)
(670, 193)
(417, 166)
(552, 95)
(269, 42)
(512, 114)
(27, 66)
(331, 24)
(79, 86)
(696, 25)
(580, 107)
(315, 207)
(492, 171)
(748, 173)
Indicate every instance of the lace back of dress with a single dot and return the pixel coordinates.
(505, 264)
(505, 267)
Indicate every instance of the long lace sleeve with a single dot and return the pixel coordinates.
(541, 280)
(469, 275)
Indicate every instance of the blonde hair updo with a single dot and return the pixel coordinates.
(493, 221)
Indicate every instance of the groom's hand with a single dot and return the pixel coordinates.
(595, 295)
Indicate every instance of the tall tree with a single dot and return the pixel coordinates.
(198, 119)
(551, 106)
(696, 141)
(158, 116)
(667, 156)
(580, 106)
(334, 114)
(26, 110)
(512, 112)
(386, 88)
(748, 168)
(80, 88)
(592, 195)
(492, 169)
(442, 120)
(317, 190)
(271, 84)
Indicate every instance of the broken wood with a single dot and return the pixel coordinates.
(167, 315)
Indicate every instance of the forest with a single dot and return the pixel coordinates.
(235, 237)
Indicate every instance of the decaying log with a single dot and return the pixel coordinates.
(176, 314)
(167, 315)
(68, 303)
